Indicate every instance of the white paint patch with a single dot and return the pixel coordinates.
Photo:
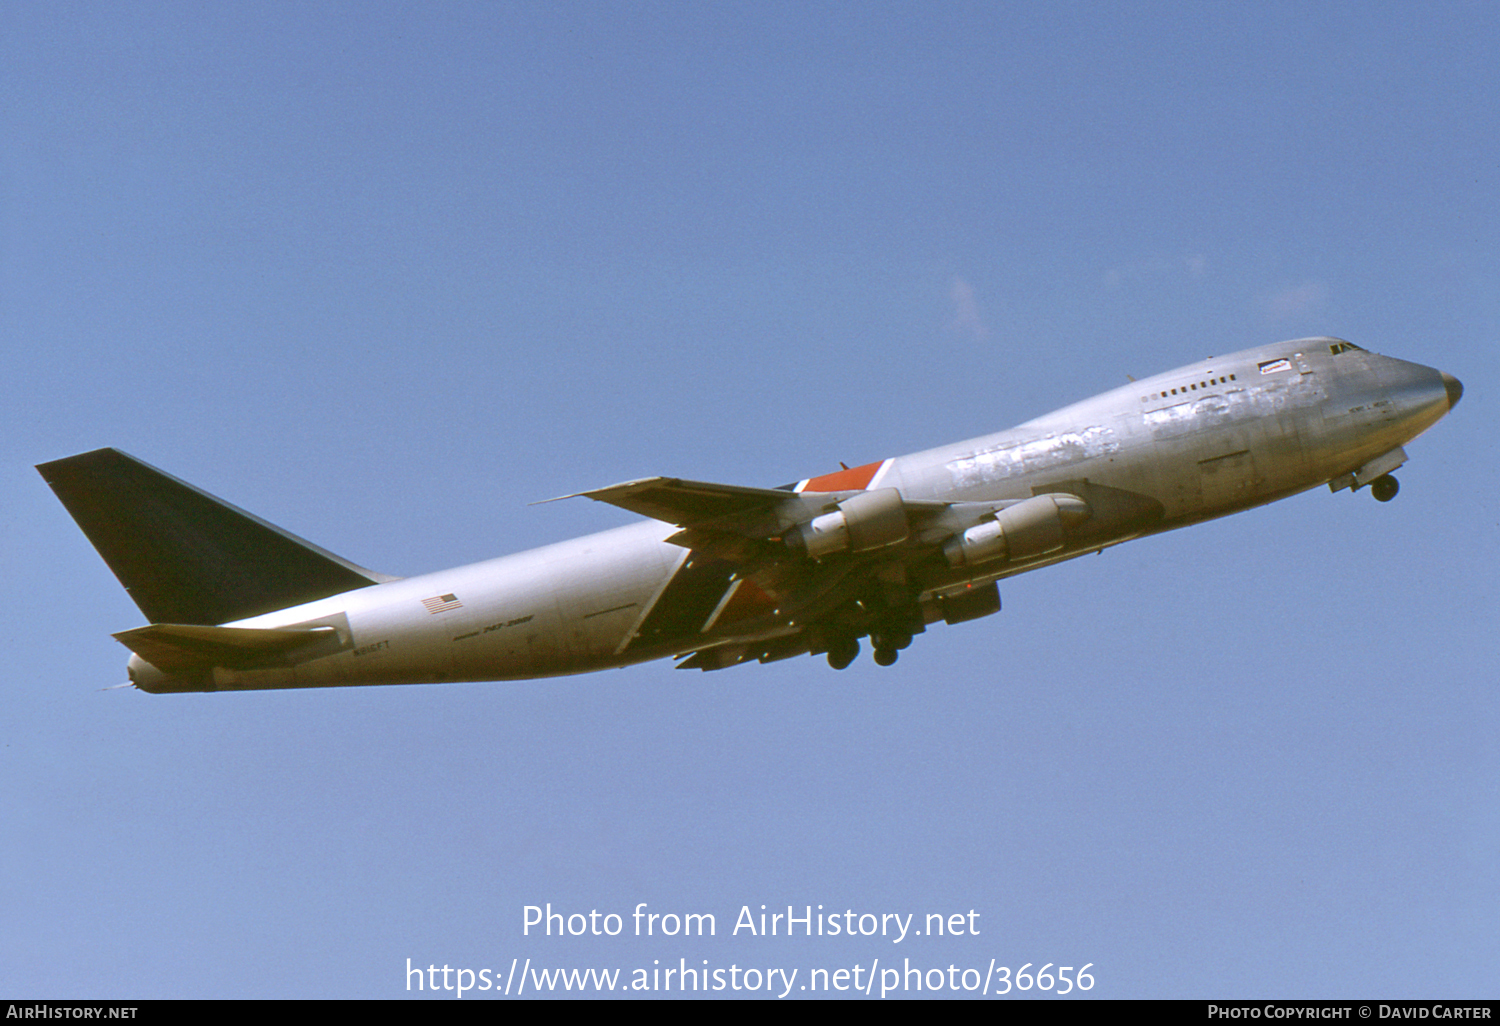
(1054, 450)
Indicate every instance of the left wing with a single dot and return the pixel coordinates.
(688, 503)
(759, 513)
(774, 572)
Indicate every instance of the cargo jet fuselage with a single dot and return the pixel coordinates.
(722, 574)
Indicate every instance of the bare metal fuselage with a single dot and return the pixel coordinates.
(1195, 443)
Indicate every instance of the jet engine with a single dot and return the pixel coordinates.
(1033, 527)
(862, 522)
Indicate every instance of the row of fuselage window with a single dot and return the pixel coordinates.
(1186, 388)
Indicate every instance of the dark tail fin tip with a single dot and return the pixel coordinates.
(186, 556)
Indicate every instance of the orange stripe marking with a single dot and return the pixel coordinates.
(852, 480)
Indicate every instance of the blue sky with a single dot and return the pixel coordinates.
(384, 275)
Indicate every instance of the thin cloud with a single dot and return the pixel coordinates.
(966, 320)
(1194, 266)
(1296, 300)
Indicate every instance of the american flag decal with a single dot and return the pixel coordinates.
(441, 603)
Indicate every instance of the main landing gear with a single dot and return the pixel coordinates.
(1384, 488)
(891, 624)
(887, 648)
(843, 652)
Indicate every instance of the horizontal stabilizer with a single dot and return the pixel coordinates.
(185, 556)
(176, 647)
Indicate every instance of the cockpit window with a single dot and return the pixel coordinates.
(1344, 347)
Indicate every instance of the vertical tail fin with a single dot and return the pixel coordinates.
(185, 556)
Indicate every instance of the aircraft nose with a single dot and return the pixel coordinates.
(1453, 387)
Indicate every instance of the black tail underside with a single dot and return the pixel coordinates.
(185, 556)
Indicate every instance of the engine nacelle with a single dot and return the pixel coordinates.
(969, 604)
(869, 520)
(1030, 528)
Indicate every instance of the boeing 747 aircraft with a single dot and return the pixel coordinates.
(722, 574)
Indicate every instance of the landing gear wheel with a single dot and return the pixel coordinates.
(885, 656)
(895, 640)
(842, 653)
(1384, 488)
